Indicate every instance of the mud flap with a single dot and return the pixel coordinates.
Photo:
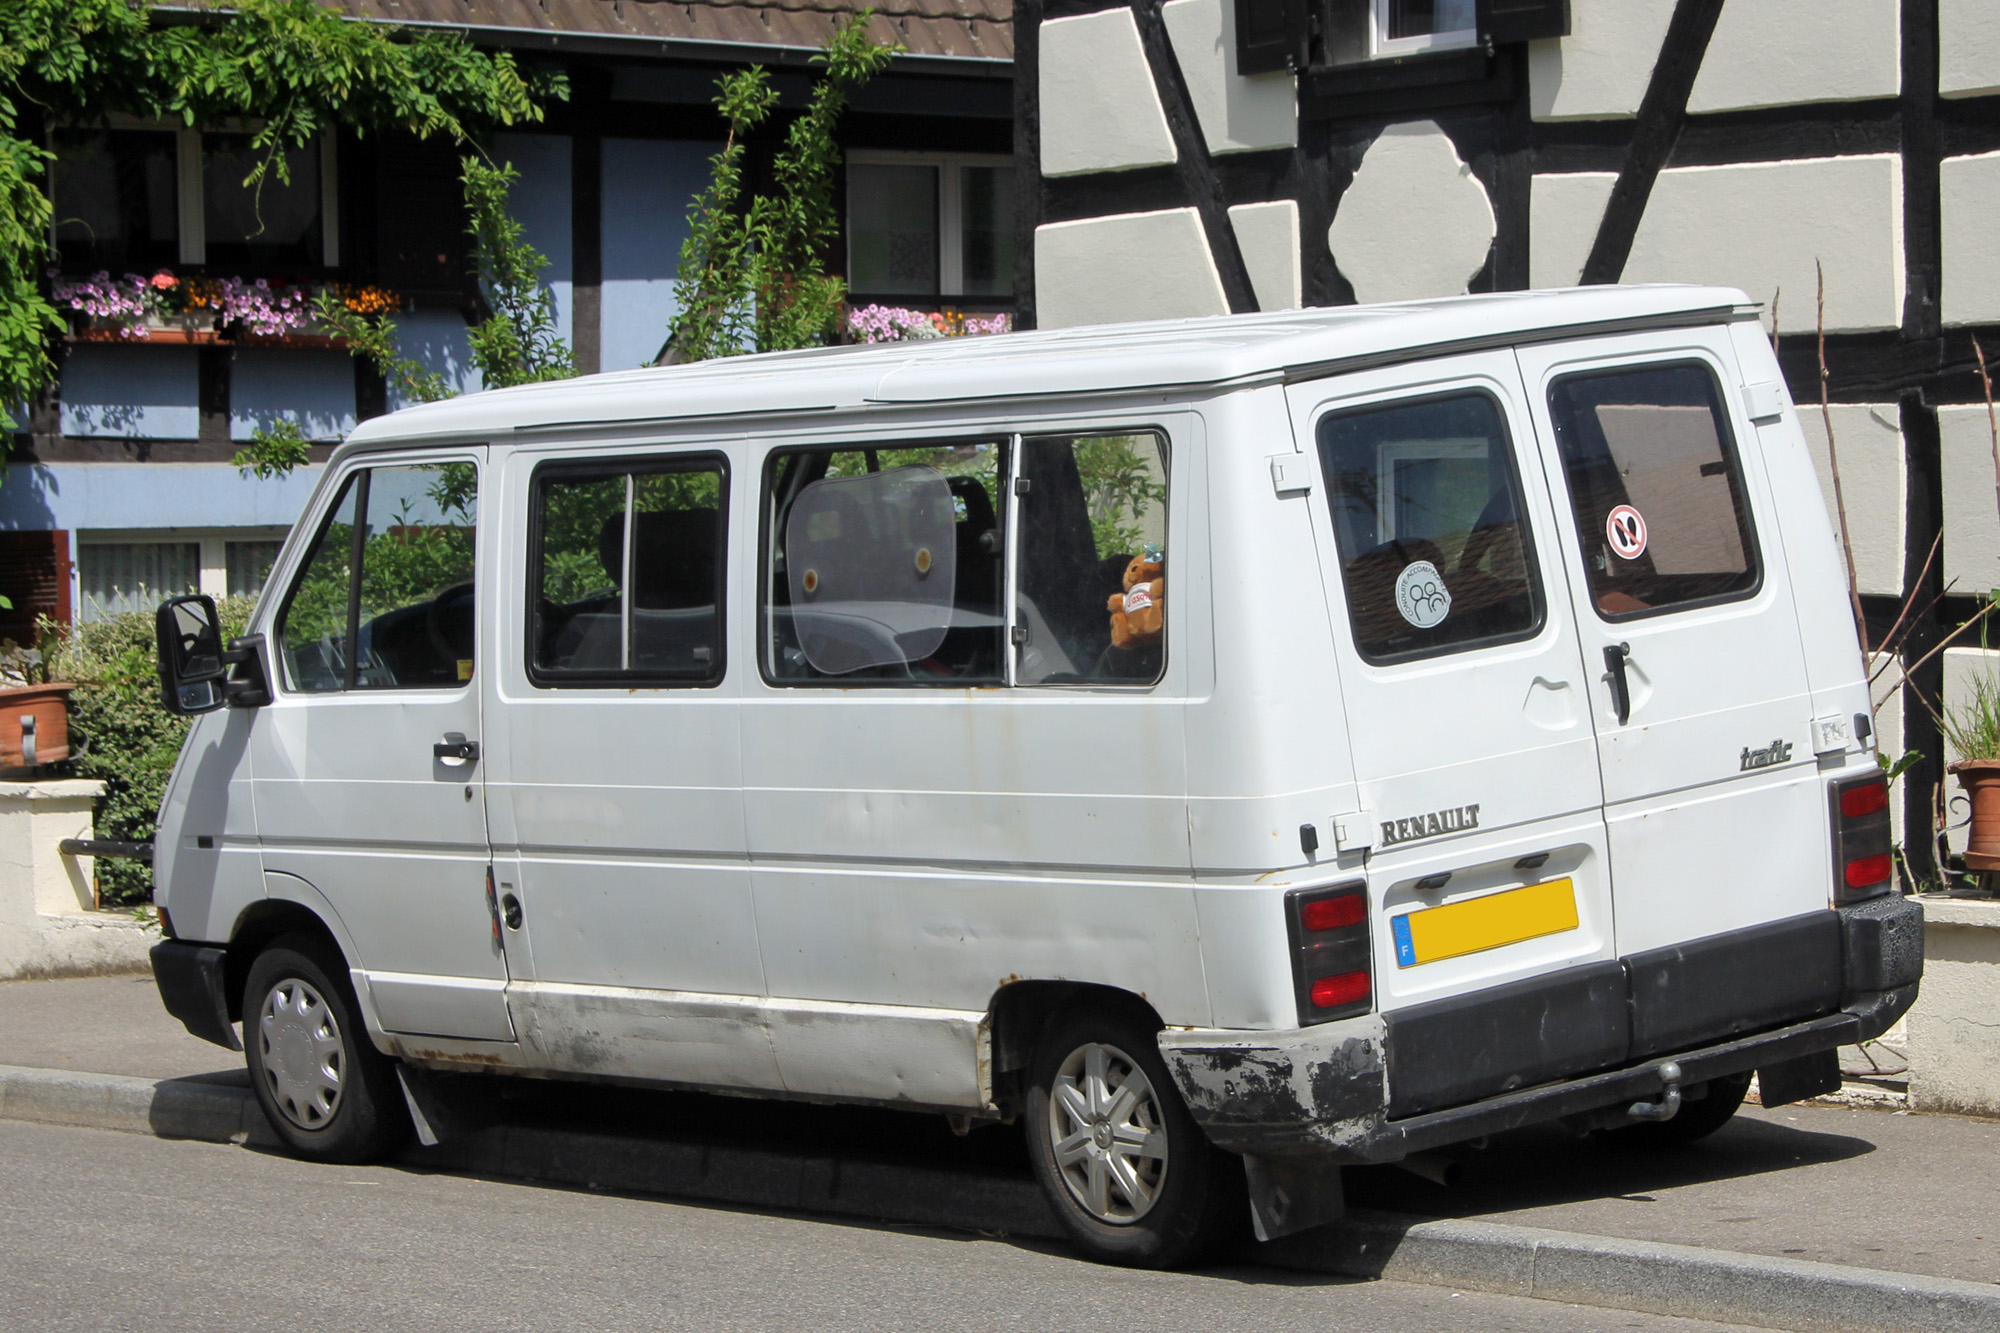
(1289, 1194)
(1795, 1080)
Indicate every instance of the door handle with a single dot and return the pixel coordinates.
(455, 748)
(1615, 655)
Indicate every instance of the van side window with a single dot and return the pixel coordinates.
(885, 564)
(1093, 566)
(406, 622)
(1435, 552)
(1656, 489)
(628, 572)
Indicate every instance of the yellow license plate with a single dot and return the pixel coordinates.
(1490, 922)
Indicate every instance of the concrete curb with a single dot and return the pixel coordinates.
(1642, 1276)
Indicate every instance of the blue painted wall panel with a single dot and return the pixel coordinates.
(311, 389)
(148, 495)
(436, 340)
(142, 393)
(540, 203)
(648, 185)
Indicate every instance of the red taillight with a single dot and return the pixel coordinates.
(1865, 799)
(1348, 909)
(1868, 870)
(1347, 988)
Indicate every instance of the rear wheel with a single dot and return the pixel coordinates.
(1695, 1120)
(326, 1090)
(1130, 1175)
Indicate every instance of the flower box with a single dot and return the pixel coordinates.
(34, 724)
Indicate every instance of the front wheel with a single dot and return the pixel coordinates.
(1130, 1175)
(327, 1091)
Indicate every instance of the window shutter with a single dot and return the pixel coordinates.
(1270, 36)
(1504, 21)
(34, 575)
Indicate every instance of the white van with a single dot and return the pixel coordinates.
(1311, 738)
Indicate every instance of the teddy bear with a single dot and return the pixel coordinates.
(1138, 614)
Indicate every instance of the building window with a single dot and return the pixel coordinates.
(928, 225)
(120, 577)
(247, 565)
(116, 198)
(1405, 27)
(137, 196)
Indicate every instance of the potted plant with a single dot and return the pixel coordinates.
(34, 710)
(1973, 728)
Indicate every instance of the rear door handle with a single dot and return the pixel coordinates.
(1615, 655)
(455, 748)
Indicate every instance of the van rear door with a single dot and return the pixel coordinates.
(1698, 690)
(1464, 687)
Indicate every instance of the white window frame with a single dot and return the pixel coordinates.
(951, 240)
(1382, 46)
(188, 183)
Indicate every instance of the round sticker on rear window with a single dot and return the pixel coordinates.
(1421, 596)
(1625, 529)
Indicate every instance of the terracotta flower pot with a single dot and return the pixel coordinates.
(47, 707)
(1981, 780)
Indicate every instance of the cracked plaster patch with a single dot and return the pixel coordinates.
(1416, 222)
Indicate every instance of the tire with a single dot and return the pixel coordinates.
(329, 1094)
(1132, 1178)
(1694, 1121)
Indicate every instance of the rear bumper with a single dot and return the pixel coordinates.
(1328, 1091)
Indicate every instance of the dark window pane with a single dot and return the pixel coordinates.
(886, 564)
(1093, 560)
(269, 227)
(115, 197)
(1427, 515)
(1424, 18)
(670, 627)
(892, 226)
(1655, 488)
(986, 230)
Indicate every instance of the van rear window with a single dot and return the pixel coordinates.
(1656, 489)
(1435, 553)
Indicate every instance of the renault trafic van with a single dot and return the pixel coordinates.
(1233, 748)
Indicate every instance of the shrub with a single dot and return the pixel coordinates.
(120, 732)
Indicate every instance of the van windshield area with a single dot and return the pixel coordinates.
(407, 621)
(1655, 488)
(1435, 553)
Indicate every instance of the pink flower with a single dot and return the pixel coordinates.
(163, 280)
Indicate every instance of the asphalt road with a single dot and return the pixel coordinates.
(106, 1231)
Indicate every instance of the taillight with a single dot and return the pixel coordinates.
(1332, 969)
(1863, 866)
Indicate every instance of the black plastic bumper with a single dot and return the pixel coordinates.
(193, 982)
(1330, 1091)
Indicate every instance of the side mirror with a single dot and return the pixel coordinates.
(191, 662)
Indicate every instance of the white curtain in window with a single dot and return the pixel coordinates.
(117, 577)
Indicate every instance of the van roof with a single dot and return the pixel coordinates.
(1102, 358)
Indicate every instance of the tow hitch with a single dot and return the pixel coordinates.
(1669, 1104)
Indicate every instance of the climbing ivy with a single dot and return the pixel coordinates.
(291, 66)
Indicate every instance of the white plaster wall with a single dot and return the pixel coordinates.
(1268, 235)
(1600, 71)
(1788, 52)
(1131, 266)
(1100, 107)
(1968, 48)
(1415, 222)
(1564, 213)
(1969, 199)
(1760, 227)
(1238, 113)
(1869, 438)
(1954, 1042)
(1971, 506)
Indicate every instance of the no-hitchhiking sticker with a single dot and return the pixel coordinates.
(1625, 529)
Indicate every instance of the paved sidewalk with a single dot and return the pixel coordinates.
(1914, 1194)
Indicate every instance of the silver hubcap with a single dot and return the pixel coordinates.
(301, 1051)
(1110, 1143)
